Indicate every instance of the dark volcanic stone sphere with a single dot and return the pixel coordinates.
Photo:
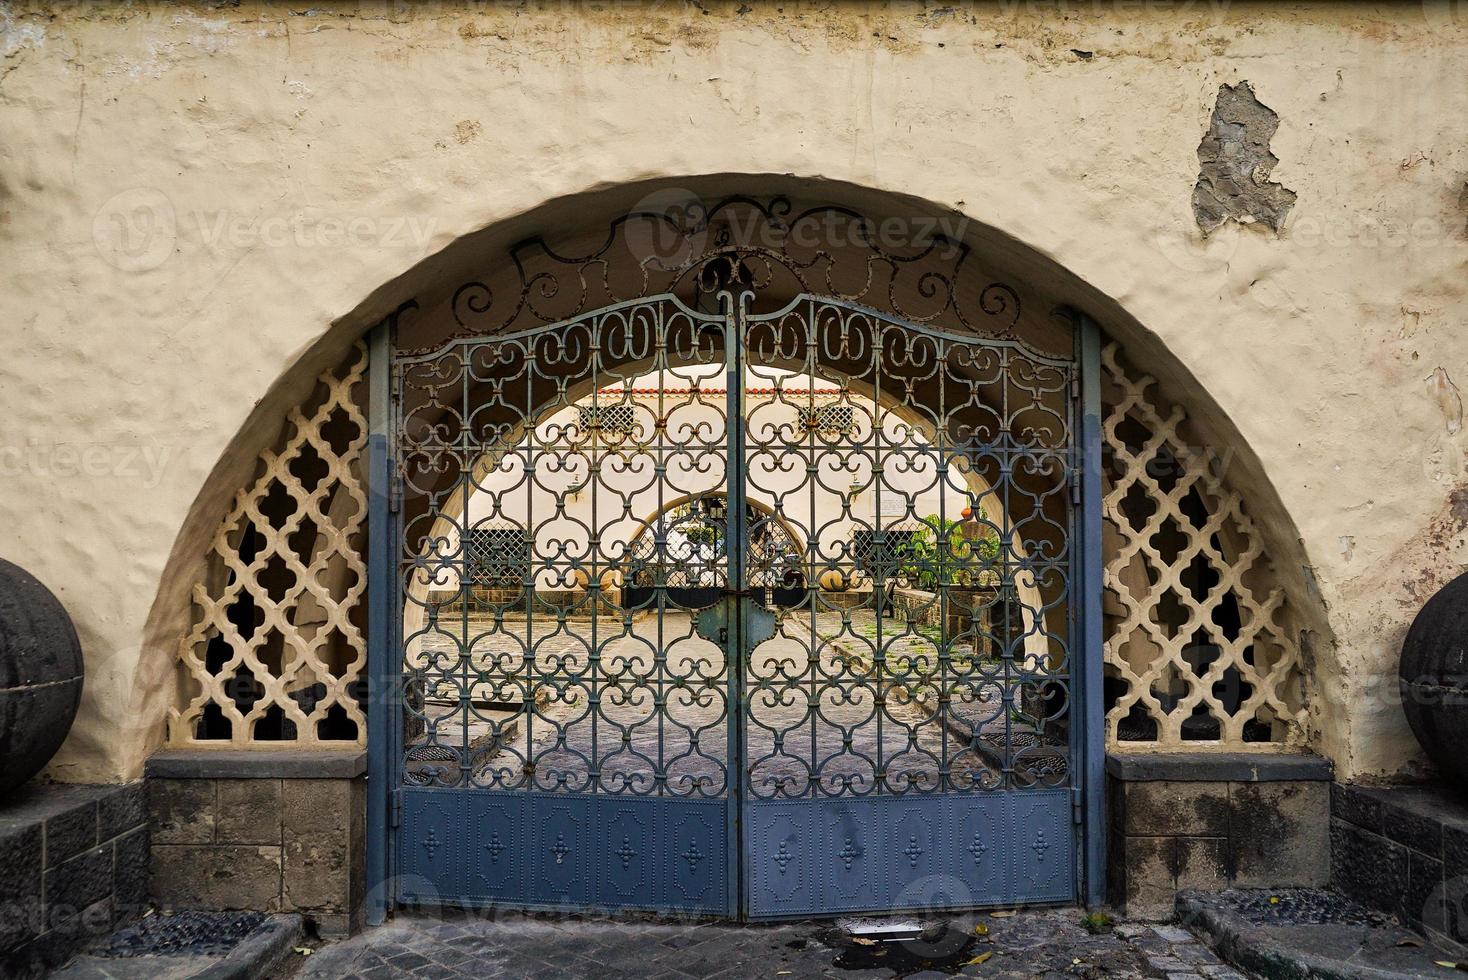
(1434, 676)
(40, 675)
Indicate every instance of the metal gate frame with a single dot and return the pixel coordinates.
(384, 639)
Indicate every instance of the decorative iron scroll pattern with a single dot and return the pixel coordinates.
(694, 248)
(277, 648)
(587, 675)
(943, 666)
(1199, 649)
(936, 660)
(676, 547)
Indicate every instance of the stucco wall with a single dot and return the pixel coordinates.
(196, 205)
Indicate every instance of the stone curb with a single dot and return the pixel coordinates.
(1249, 947)
(260, 952)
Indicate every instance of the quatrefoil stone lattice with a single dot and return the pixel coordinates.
(318, 542)
(1170, 512)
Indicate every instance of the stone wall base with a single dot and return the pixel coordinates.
(1404, 850)
(1212, 821)
(73, 867)
(275, 832)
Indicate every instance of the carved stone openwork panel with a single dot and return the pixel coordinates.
(277, 649)
(1200, 651)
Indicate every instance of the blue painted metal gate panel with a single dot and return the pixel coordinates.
(550, 850)
(893, 853)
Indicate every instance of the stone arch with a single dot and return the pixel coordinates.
(1052, 286)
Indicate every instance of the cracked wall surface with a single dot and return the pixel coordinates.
(1235, 163)
(202, 207)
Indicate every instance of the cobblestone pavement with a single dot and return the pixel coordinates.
(1040, 943)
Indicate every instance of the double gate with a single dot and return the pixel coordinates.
(728, 613)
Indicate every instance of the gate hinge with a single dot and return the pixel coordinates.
(395, 491)
(1075, 485)
(1077, 805)
(395, 809)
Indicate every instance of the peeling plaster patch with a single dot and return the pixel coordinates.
(467, 130)
(1448, 398)
(1402, 581)
(1348, 546)
(1463, 204)
(191, 37)
(1458, 505)
(1235, 163)
(14, 37)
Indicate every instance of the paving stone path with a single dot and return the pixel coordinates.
(1039, 943)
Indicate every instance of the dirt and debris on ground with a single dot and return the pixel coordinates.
(1034, 943)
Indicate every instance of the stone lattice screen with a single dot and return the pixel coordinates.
(1199, 651)
(1199, 648)
(277, 650)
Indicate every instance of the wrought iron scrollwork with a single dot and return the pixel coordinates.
(771, 247)
(721, 528)
(906, 520)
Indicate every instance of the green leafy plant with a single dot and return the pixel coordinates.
(701, 534)
(941, 553)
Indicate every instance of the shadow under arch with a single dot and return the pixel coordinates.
(1045, 285)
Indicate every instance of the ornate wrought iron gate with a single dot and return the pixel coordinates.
(768, 614)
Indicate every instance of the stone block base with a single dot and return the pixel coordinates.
(1213, 821)
(1404, 850)
(73, 867)
(274, 832)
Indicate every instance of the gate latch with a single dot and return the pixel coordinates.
(715, 622)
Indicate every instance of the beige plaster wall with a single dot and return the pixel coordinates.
(191, 197)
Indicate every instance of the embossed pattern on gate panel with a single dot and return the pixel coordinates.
(562, 530)
(908, 726)
(920, 852)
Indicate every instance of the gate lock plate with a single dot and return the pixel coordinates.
(716, 623)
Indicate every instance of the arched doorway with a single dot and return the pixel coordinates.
(914, 730)
(683, 549)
